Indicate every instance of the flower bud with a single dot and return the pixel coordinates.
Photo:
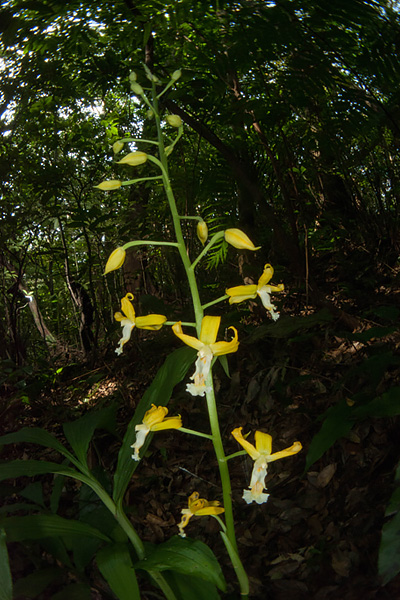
(150, 113)
(132, 77)
(176, 74)
(202, 231)
(111, 184)
(117, 147)
(116, 260)
(137, 89)
(238, 239)
(174, 120)
(133, 159)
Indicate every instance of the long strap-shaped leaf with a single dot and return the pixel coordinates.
(35, 527)
(159, 393)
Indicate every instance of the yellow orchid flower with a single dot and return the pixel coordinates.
(238, 239)
(129, 320)
(248, 292)
(261, 454)
(198, 506)
(115, 260)
(154, 419)
(207, 348)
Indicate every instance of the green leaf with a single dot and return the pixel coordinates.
(116, 566)
(387, 405)
(184, 555)
(34, 527)
(168, 376)
(35, 583)
(29, 468)
(35, 435)
(80, 432)
(389, 550)
(5, 573)
(287, 326)
(189, 587)
(77, 591)
(336, 424)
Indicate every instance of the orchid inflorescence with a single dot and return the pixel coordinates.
(207, 326)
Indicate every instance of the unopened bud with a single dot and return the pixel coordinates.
(238, 239)
(132, 77)
(176, 74)
(111, 184)
(202, 231)
(115, 261)
(174, 120)
(137, 89)
(117, 147)
(133, 159)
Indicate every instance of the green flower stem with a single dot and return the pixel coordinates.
(222, 464)
(193, 432)
(163, 164)
(235, 454)
(148, 243)
(182, 323)
(139, 140)
(211, 243)
(131, 181)
(220, 299)
(237, 565)
(130, 531)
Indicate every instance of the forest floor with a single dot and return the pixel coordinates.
(318, 535)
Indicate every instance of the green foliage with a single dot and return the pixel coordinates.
(5, 574)
(186, 556)
(389, 550)
(116, 566)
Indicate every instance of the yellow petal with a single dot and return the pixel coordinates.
(133, 159)
(209, 329)
(127, 307)
(266, 276)
(154, 415)
(263, 442)
(240, 293)
(202, 231)
(238, 239)
(226, 347)
(210, 510)
(174, 120)
(250, 449)
(293, 449)
(186, 339)
(111, 184)
(115, 260)
(152, 322)
(168, 423)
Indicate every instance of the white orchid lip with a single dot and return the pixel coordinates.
(262, 455)
(207, 347)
